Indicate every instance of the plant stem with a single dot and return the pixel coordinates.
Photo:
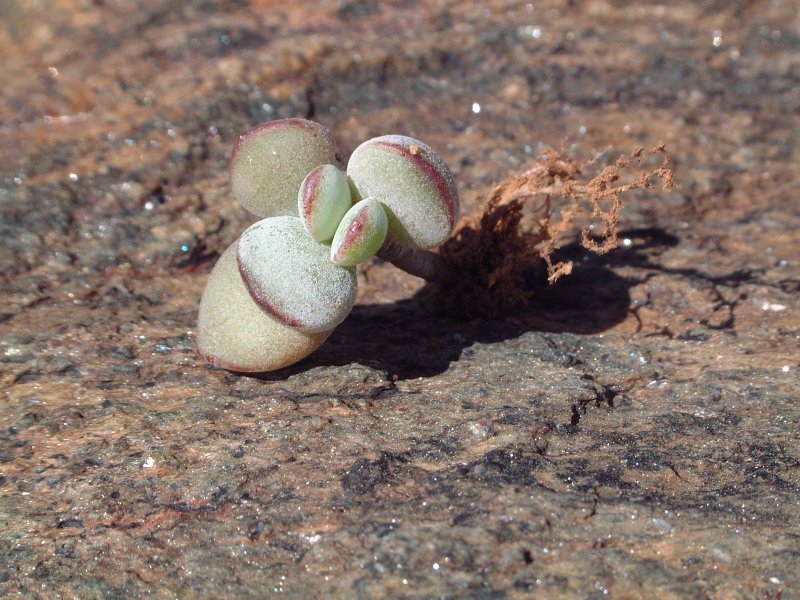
(416, 261)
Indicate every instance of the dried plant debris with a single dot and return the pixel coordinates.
(523, 220)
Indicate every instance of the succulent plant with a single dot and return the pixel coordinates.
(278, 291)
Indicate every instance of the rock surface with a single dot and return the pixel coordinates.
(632, 434)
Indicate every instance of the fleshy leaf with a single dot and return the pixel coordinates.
(270, 161)
(234, 333)
(413, 183)
(291, 276)
(360, 234)
(323, 200)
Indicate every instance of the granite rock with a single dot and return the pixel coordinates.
(633, 433)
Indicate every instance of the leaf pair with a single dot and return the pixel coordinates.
(355, 232)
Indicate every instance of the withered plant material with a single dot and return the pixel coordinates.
(523, 220)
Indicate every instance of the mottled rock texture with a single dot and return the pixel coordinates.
(632, 434)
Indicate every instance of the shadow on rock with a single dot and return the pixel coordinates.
(409, 338)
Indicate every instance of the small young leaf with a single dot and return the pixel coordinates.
(360, 234)
(270, 161)
(414, 185)
(291, 276)
(323, 200)
(234, 333)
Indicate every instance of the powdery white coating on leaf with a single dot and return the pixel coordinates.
(323, 200)
(414, 184)
(269, 162)
(291, 276)
(360, 234)
(234, 333)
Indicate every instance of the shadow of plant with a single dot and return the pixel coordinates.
(411, 338)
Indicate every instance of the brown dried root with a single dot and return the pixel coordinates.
(492, 250)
